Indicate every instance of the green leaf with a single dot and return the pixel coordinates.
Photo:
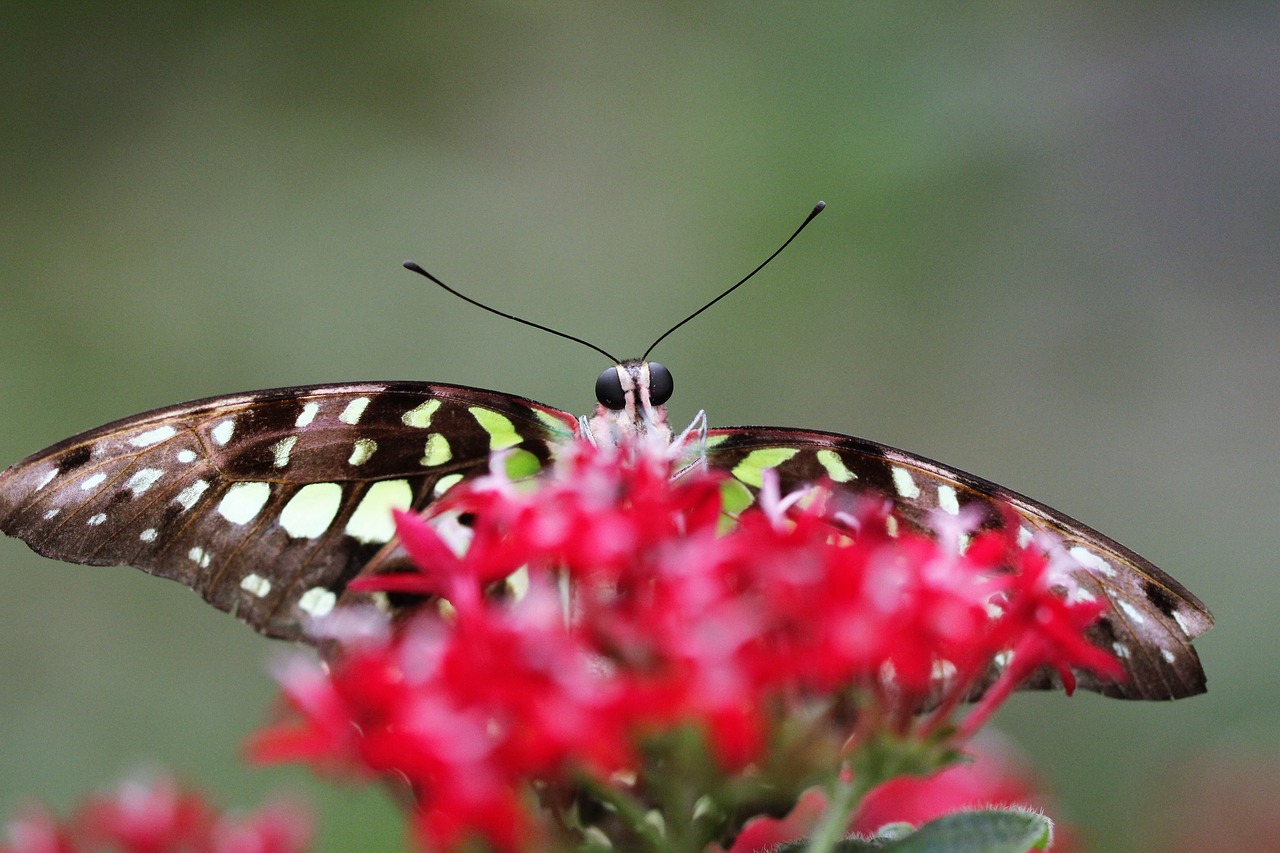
(988, 831)
(1011, 830)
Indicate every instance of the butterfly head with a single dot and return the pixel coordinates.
(632, 400)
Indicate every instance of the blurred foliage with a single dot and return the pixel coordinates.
(1049, 258)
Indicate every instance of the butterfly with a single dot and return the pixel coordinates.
(269, 503)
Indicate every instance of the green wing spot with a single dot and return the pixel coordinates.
(751, 469)
(372, 520)
(552, 423)
(836, 469)
(735, 497)
(521, 463)
(446, 483)
(419, 417)
(437, 451)
(311, 510)
(502, 433)
(713, 440)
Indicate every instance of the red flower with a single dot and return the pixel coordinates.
(147, 816)
(641, 614)
(156, 816)
(36, 831)
(1040, 626)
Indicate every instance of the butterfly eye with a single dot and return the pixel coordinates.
(661, 385)
(609, 390)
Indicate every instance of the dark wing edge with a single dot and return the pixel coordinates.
(1151, 619)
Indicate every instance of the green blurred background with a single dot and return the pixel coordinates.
(1049, 258)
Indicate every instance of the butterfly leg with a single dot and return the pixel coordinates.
(585, 431)
(697, 427)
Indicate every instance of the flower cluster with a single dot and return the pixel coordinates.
(612, 658)
(156, 816)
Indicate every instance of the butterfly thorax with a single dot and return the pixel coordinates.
(630, 408)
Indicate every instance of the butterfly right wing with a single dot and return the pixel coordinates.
(267, 503)
(1150, 620)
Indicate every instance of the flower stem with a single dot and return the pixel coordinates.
(835, 820)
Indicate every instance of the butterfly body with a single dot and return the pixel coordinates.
(269, 503)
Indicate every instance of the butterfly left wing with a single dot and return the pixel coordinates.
(267, 503)
(1150, 619)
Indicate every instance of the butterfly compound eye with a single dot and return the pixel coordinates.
(609, 390)
(661, 385)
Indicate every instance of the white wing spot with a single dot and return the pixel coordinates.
(1132, 612)
(310, 512)
(372, 520)
(1091, 561)
(363, 449)
(419, 416)
(52, 513)
(891, 526)
(94, 481)
(317, 601)
(1079, 593)
(256, 585)
(836, 469)
(1182, 622)
(243, 501)
(199, 556)
(188, 496)
(223, 431)
(307, 415)
(437, 451)
(95, 520)
(1121, 650)
(46, 479)
(148, 535)
(143, 480)
(351, 414)
(281, 450)
(444, 484)
(153, 436)
(905, 486)
(1024, 536)
(1169, 656)
(186, 457)
(948, 500)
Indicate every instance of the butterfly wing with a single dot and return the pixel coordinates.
(266, 503)
(1150, 618)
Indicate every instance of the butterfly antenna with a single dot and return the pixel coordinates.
(817, 208)
(413, 266)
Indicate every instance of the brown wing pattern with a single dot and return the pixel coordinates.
(266, 503)
(1151, 618)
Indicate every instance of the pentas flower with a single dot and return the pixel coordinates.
(615, 650)
(157, 816)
